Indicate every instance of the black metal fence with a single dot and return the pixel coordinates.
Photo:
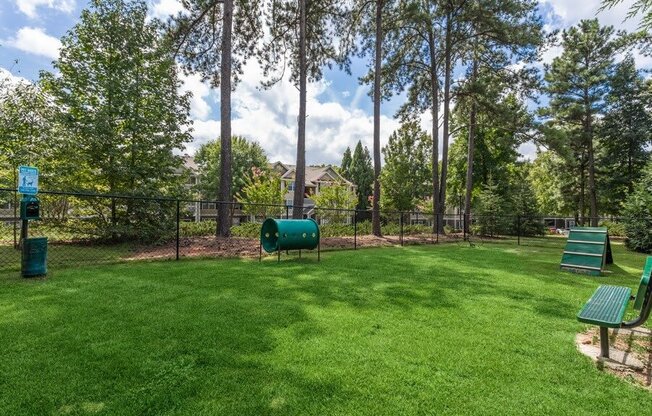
(86, 229)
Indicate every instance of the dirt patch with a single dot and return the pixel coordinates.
(630, 352)
(249, 247)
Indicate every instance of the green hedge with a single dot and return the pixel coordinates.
(616, 229)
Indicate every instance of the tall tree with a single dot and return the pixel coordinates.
(624, 135)
(406, 173)
(206, 43)
(361, 174)
(414, 61)
(117, 85)
(345, 166)
(577, 82)
(372, 21)
(638, 213)
(499, 33)
(304, 37)
(501, 126)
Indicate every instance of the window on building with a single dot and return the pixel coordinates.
(291, 186)
(192, 180)
(208, 205)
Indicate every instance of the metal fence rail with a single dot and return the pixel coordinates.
(86, 229)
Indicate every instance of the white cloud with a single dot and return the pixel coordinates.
(7, 76)
(165, 8)
(270, 118)
(566, 13)
(28, 7)
(199, 107)
(34, 40)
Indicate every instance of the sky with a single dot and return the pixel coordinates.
(339, 110)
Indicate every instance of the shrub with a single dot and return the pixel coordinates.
(638, 214)
(197, 229)
(616, 229)
(337, 230)
(246, 229)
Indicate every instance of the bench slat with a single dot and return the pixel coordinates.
(606, 307)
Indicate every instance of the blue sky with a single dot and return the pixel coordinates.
(339, 110)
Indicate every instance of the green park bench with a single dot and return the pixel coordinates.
(606, 307)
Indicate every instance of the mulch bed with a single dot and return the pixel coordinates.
(249, 247)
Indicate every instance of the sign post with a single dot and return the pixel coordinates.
(34, 250)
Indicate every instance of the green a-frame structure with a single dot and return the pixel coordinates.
(587, 251)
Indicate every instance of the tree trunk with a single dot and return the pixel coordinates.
(434, 110)
(375, 215)
(447, 99)
(593, 197)
(300, 171)
(223, 211)
(470, 152)
(582, 191)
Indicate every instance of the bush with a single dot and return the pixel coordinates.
(530, 226)
(638, 214)
(616, 229)
(337, 230)
(197, 229)
(246, 229)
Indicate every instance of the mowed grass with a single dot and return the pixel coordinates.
(445, 329)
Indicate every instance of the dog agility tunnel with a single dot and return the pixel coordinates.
(289, 235)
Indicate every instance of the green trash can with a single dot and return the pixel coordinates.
(34, 257)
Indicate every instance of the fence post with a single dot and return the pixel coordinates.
(355, 229)
(436, 219)
(178, 225)
(518, 229)
(287, 212)
(400, 220)
(15, 219)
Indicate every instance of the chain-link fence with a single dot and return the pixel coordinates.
(86, 229)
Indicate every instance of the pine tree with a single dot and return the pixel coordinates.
(577, 82)
(345, 166)
(526, 218)
(638, 214)
(304, 38)
(499, 33)
(489, 214)
(215, 38)
(624, 135)
(372, 21)
(361, 174)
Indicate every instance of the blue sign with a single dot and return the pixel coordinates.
(28, 180)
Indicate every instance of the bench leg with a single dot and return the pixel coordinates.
(604, 342)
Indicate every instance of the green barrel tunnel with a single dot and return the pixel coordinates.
(278, 234)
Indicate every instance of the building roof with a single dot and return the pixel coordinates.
(189, 162)
(314, 174)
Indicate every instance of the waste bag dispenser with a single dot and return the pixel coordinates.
(34, 253)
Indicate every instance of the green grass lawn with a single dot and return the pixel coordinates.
(442, 329)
